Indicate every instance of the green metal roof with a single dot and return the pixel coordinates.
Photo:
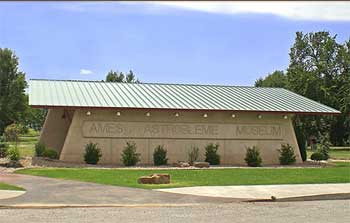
(96, 94)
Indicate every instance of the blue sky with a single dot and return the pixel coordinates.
(171, 43)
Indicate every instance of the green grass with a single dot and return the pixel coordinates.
(203, 177)
(4, 186)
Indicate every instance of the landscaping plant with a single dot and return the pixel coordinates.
(50, 153)
(13, 154)
(287, 155)
(317, 156)
(252, 157)
(193, 155)
(40, 149)
(159, 156)
(211, 154)
(129, 155)
(92, 153)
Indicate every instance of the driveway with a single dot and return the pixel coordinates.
(49, 191)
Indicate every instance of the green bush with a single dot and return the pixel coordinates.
(324, 149)
(92, 153)
(13, 154)
(211, 154)
(317, 156)
(287, 155)
(252, 157)
(129, 155)
(50, 153)
(40, 149)
(159, 156)
(193, 155)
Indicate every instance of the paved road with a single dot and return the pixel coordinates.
(42, 190)
(275, 212)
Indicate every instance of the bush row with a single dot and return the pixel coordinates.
(130, 157)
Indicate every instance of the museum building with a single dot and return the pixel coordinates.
(178, 116)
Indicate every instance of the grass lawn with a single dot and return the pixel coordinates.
(4, 186)
(203, 177)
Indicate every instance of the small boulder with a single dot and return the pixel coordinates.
(157, 178)
(201, 164)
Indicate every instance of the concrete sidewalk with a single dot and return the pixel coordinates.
(5, 194)
(262, 192)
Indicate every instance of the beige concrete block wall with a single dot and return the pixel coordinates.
(177, 134)
(55, 129)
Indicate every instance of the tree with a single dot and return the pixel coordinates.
(12, 88)
(320, 69)
(115, 76)
(33, 117)
(275, 79)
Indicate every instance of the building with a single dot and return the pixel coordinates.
(177, 116)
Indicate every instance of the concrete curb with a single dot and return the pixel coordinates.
(320, 197)
(53, 206)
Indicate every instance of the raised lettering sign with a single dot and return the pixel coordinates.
(104, 129)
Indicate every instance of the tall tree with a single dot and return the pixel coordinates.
(115, 76)
(319, 69)
(12, 89)
(275, 79)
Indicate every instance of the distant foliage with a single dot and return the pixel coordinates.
(129, 155)
(193, 155)
(13, 154)
(12, 132)
(211, 154)
(3, 148)
(92, 153)
(287, 155)
(115, 76)
(252, 157)
(160, 156)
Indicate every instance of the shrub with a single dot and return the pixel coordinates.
(159, 156)
(129, 155)
(211, 154)
(324, 149)
(193, 154)
(40, 149)
(50, 153)
(252, 157)
(13, 154)
(92, 153)
(287, 155)
(317, 156)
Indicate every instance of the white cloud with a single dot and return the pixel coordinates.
(315, 11)
(85, 72)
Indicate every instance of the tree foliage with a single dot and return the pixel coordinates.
(275, 79)
(12, 88)
(115, 76)
(319, 69)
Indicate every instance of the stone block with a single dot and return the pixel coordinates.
(201, 164)
(155, 179)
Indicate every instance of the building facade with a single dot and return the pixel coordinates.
(178, 117)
